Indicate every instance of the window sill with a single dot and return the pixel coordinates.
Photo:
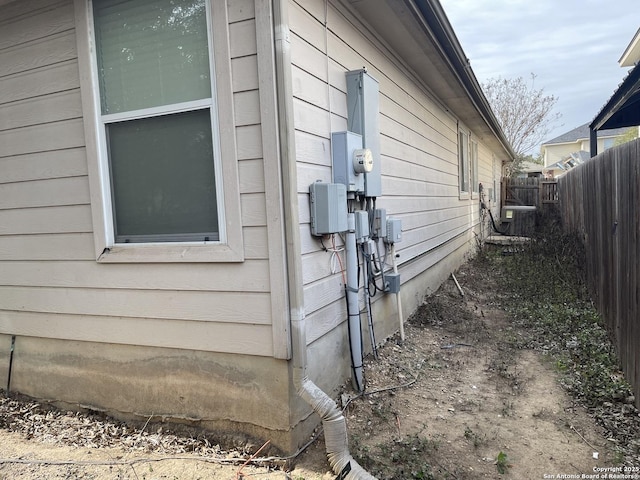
(171, 253)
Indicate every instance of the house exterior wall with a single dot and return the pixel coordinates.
(193, 341)
(555, 153)
(45, 210)
(419, 155)
(80, 323)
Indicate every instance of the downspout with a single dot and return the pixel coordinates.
(334, 423)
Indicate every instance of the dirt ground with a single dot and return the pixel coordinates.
(457, 399)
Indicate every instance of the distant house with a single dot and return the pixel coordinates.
(156, 255)
(565, 149)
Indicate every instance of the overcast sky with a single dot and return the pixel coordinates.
(572, 46)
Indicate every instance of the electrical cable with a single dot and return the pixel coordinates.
(379, 266)
(383, 261)
(373, 266)
(336, 254)
(374, 343)
(483, 206)
(335, 257)
(353, 360)
(367, 281)
(493, 222)
(367, 298)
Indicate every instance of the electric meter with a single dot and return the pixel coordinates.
(362, 160)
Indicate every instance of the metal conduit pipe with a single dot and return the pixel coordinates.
(334, 423)
(353, 309)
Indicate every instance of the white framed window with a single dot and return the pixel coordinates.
(157, 119)
(473, 163)
(166, 178)
(494, 174)
(463, 162)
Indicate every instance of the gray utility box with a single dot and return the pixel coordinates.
(520, 219)
(328, 203)
(363, 111)
(362, 225)
(394, 231)
(392, 282)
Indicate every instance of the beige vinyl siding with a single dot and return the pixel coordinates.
(488, 173)
(50, 282)
(419, 151)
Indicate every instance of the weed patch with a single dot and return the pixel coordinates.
(474, 437)
(502, 463)
(405, 458)
(547, 297)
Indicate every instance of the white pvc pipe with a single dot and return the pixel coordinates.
(398, 297)
(353, 309)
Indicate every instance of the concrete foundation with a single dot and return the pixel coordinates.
(235, 396)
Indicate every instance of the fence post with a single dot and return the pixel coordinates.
(541, 196)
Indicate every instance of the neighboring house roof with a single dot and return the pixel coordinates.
(582, 133)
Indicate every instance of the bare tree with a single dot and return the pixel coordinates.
(525, 114)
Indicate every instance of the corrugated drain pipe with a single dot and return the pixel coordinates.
(334, 423)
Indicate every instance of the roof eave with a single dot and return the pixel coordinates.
(419, 32)
(436, 18)
(628, 93)
(632, 52)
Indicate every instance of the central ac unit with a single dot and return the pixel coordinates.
(521, 220)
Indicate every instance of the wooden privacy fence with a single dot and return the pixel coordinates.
(533, 191)
(600, 199)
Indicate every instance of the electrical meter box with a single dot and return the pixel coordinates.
(394, 230)
(363, 110)
(344, 146)
(328, 203)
